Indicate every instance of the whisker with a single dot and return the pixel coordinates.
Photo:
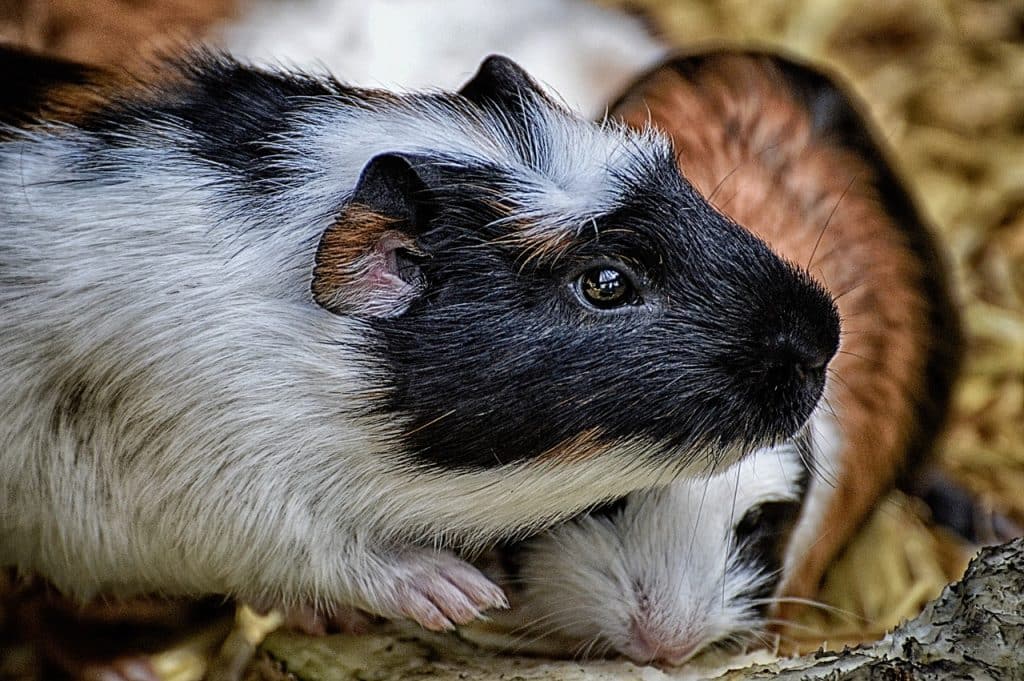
(828, 221)
(874, 361)
(721, 182)
(863, 282)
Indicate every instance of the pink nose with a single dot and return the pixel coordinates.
(647, 645)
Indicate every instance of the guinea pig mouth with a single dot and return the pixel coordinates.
(646, 645)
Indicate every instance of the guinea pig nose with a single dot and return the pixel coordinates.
(647, 645)
(804, 350)
(807, 359)
(679, 652)
(641, 646)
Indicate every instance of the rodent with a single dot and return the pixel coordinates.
(777, 145)
(783, 147)
(280, 339)
(661, 575)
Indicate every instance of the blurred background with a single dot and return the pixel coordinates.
(943, 79)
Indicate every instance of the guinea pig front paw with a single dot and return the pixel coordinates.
(436, 590)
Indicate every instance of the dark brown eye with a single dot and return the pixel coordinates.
(606, 288)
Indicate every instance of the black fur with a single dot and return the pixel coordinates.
(232, 113)
(516, 365)
(762, 535)
(838, 118)
(28, 81)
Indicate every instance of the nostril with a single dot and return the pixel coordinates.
(807, 360)
(811, 366)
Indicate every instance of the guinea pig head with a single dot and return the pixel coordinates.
(568, 295)
(664, 574)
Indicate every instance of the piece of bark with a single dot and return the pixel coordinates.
(973, 631)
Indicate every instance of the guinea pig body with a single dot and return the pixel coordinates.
(276, 338)
(664, 574)
(784, 151)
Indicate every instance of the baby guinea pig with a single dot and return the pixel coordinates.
(277, 338)
(784, 150)
(662, 575)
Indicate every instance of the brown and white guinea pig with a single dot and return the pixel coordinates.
(269, 336)
(783, 149)
(662, 575)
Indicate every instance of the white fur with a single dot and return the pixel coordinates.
(668, 562)
(208, 440)
(826, 442)
(572, 177)
(584, 52)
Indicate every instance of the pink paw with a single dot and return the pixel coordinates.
(437, 591)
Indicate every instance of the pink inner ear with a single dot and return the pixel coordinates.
(374, 286)
(382, 263)
(358, 270)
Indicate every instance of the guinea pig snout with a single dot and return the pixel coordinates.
(770, 359)
(649, 644)
(796, 335)
(799, 358)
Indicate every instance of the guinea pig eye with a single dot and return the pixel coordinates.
(606, 288)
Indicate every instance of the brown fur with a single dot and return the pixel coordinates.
(579, 447)
(745, 142)
(117, 34)
(72, 101)
(538, 244)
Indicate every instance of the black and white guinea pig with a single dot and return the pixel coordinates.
(661, 575)
(269, 336)
(781, 148)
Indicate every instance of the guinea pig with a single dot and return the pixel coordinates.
(662, 575)
(782, 148)
(277, 338)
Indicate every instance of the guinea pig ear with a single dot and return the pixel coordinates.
(368, 260)
(502, 82)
